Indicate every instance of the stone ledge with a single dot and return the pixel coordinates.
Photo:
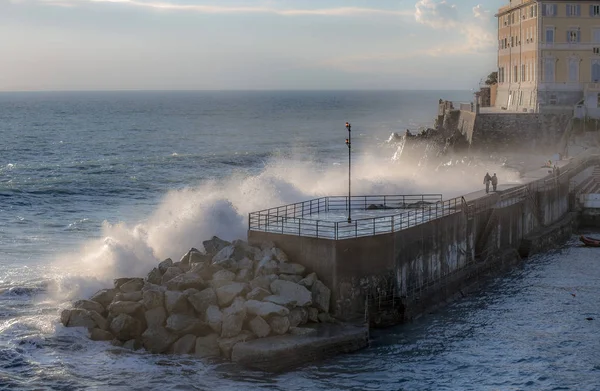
(279, 353)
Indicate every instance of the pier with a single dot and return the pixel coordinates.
(404, 255)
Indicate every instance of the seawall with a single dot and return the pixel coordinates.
(398, 275)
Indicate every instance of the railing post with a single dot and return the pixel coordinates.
(355, 228)
(317, 229)
(299, 227)
(373, 226)
(392, 224)
(335, 230)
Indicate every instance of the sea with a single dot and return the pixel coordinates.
(100, 185)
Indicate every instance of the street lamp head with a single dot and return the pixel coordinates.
(348, 126)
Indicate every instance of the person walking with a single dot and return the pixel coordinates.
(486, 181)
(494, 181)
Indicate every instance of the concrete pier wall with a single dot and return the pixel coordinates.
(430, 263)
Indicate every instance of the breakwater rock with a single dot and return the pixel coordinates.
(207, 302)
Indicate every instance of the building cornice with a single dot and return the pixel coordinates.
(509, 10)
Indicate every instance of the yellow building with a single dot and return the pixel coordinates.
(548, 54)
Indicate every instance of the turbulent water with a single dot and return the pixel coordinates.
(101, 185)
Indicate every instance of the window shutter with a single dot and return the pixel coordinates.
(568, 9)
(591, 10)
(568, 36)
(545, 5)
(578, 10)
(578, 36)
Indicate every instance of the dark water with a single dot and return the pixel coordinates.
(99, 185)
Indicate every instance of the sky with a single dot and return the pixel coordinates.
(60, 45)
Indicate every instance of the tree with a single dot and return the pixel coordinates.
(492, 79)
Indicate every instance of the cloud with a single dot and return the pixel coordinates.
(476, 31)
(217, 9)
(438, 14)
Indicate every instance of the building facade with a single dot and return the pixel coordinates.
(548, 55)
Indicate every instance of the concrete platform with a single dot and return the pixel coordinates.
(280, 353)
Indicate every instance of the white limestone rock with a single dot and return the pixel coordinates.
(171, 273)
(164, 265)
(226, 294)
(233, 318)
(89, 305)
(313, 314)
(290, 277)
(154, 277)
(133, 344)
(153, 298)
(258, 294)
(214, 318)
(279, 254)
(260, 327)
(181, 324)
(265, 309)
(133, 285)
(176, 302)
(125, 327)
(104, 297)
(214, 245)
(293, 291)
(185, 281)
(97, 334)
(158, 339)
(207, 346)
(263, 282)
(266, 266)
(79, 318)
(129, 296)
(203, 299)
(280, 300)
(125, 307)
(244, 275)
(185, 344)
(321, 296)
(223, 275)
(155, 317)
(298, 316)
(279, 324)
(308, 281)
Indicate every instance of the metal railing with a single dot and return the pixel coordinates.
(304, 218)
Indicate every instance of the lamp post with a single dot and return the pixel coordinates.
(349, 144)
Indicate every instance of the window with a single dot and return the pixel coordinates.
(516, 73)
(573, 35)
(595, 10)
(523, 73)
(573, 69)
(598, 101)
(596, 50)
(595, 71)
(534, 10)
(549, 65)
(549, 34)
(531, 12)
(596, 35)
(573, 10)
(548, 9)
(512, 18)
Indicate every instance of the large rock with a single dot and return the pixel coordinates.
(280, 300)
(260, 327)
(202, 300)
(226, 344)
(214, 318)
(245, 263)
(233, 318)
(263, 282)
(101, 335)
(125, 307)
(133, 344)
(264, 309)
(125, 327)
(208, 346)
(197, 256)
(89, 305)
(227, 293)
(156, 317)
(204, 270)
(171, 273)
(279, 254)
(223, 275)
(308, 281)
(104, 297)
(164, 265)
(291, 268)
(117, 282)
(293, 291)
(185, 281)
(185, 260)
(176, 302)
(321, 295)
(185, 344)
(279, 324)
(290, 277)
(224, 254)
(266, 266)
(79, 318)
(129, 296)
(258, 294)
(298, 316)
(244, 275)
(313, 314)
(154, 277)
(158, 339)
(215, 245)
(153, 298)
(182, 324)
(134, 284)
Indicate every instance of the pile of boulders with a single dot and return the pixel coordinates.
(207, 302)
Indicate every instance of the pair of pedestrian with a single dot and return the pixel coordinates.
(487, 180)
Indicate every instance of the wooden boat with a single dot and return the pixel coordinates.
(590, 242)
